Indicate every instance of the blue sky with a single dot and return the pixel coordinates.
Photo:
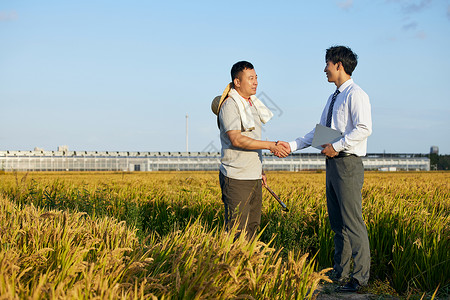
(122, 75)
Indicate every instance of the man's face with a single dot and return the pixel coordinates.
(246, 83)
(332, 71)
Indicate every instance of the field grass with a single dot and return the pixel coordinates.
(407, 215)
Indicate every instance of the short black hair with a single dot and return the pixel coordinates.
(239, 67)
(344, 55)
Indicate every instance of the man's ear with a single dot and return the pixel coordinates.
(237, 82)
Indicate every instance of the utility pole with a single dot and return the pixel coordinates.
(187, 134)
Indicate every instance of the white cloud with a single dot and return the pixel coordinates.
(392, 39)
(411, 6)
(8, 16)
(421, 35)
(346, 4)
(416, 7)
(410, 26)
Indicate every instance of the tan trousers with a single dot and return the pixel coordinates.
(243, 203)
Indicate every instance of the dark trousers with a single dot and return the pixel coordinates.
(243, 203)
(344, 181)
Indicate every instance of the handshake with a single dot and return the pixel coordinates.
(280, 149)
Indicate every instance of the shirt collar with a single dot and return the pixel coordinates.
(345, 85)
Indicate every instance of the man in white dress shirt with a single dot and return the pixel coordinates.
(347, 110)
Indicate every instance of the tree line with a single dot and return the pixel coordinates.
(439, 162)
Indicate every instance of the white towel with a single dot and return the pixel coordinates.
(246, 114)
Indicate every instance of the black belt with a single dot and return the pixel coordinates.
(342, 154)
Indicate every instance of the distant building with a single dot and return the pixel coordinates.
(186, 161)
(63, 148)
(434, 150)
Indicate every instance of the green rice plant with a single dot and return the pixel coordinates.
(407, 214)
(202, 264)
(409, 236)
(420, 255)
(56, 254)
(325, 251)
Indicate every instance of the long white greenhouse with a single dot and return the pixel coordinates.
(186, 161)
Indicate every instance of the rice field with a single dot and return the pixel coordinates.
(160, 236)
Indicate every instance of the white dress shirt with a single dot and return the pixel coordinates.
(351, 116)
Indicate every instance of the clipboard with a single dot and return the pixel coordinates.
(325, 135)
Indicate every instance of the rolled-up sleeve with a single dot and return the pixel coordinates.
(229, 116)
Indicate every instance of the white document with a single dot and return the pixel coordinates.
(325, 135)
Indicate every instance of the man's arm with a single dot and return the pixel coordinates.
(299, 143)
(244, 142)
(302, 142)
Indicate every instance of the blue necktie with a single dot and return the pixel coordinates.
(330, 109)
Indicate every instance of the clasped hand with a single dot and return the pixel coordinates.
(281, 149)
(329, 151)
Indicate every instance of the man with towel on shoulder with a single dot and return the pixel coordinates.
(240, 115)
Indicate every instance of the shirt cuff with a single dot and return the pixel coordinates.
(337, 146)
(293, 146)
